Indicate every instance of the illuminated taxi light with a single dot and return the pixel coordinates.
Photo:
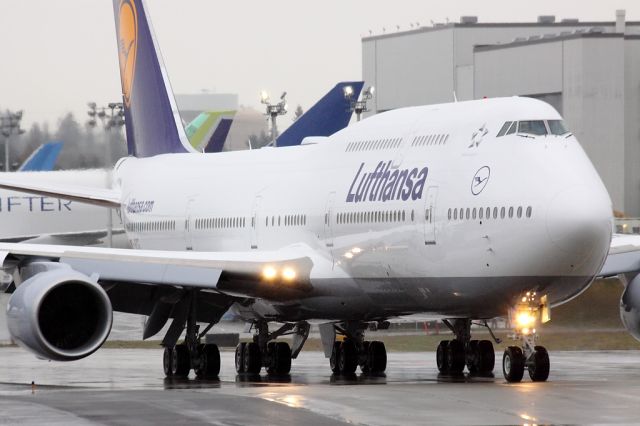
(289, 274)
(269, 273)
(525, 331)
(524, 299)
(348, 255)
(356, 250)
(525, 319)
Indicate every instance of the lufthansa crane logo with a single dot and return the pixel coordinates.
(480, 180)
(127, 46)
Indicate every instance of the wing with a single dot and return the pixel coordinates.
(623, 257)
(90, 195)
(269, 274)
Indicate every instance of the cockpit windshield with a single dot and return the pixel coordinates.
(529, 128)
(532, 127)
(557, 127)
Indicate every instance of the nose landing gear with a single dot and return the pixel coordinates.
(533, 357)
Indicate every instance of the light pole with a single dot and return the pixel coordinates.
(355, 105)
(10, 124)
(273, 111)
(112, 120)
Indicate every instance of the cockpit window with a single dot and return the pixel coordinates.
(504, 129)
(532, 127)
(557, 127)
(513, 128)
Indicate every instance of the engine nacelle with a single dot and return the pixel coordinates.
(58, 313)
(630, 307)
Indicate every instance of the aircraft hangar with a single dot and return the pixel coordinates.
(589, 71)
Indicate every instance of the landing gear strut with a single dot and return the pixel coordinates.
(453, 355)
(204, 359)
(354, 351)
(263, 351)
(533, 357)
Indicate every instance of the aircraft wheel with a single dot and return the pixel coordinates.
(539, 365)
(240, 357)
(167, 358)
(472, 357)
(455, 356)
(377, 357)
(513, 364)
(209, 362)
(252, 358)
(180, 361)
(441, 356)
(335, 356)
(486, 357)
(348, 359)
(282, 358)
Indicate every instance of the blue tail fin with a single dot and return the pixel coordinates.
(219, 136)
(42, 159)
(151, 115)
(329, 115)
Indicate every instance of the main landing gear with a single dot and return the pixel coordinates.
(354, 351)
(265, 352)
(204, 359)
(531, 356)
(453, 355)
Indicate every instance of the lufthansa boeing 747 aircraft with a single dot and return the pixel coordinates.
(466, 211)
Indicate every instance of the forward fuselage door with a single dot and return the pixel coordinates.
(189, 224)
(255, 223)
(430, 216)
(328, 221)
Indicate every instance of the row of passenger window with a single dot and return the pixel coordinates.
(534, 127)
(287, 220)
(387, 216)
(220, 222)
(154, 225)
(486, 213)
(430, 140)
(373, 145)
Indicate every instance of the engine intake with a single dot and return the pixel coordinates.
(59, 314)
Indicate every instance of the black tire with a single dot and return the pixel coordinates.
(486, 357)
(377, 357)
(240, 357)
(252, 358)
(365, 365)
(513, 364)
(539, 365)
(271, 355)
(180, 361)
(441, 356)
(209, 362)
(455, 357)
(472, 357)
(167, 358)
(348, 359)
(335, 356)
(282, 352)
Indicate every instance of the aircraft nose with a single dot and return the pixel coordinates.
(579, 220)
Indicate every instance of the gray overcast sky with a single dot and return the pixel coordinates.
(59, 54)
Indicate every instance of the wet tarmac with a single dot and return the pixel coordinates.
(116, 386)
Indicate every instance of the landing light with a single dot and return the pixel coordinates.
(525, 319)
(269, 273)
(288, 274)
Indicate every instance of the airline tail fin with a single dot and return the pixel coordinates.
(208, 131)
(42, 159)
(152, 119)
(329, 115)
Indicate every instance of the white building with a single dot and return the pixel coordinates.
(589, 71)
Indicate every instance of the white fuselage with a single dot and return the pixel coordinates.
(393, 245)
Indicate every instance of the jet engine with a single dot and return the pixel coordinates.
(630, 307)
(58, 313)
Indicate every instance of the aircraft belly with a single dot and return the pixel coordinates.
(481, 297)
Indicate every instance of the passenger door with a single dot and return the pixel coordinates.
(430, 216)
